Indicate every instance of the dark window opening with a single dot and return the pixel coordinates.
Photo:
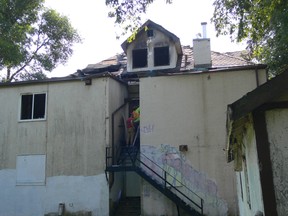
(139, 58)
(39, 106)
(26, 107)
(150, 33)
(33, 106)
(161, 56)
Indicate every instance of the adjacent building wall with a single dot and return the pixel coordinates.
(191, 110)
(248, 180)
(278, 135)
(72, 141)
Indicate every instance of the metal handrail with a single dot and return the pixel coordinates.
(113, 153)
(136, 136)
(200, 206)
(109, 156)
(167, 184)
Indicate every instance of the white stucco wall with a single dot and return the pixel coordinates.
(73, 138)
(278, 135)
(79, 193)
(19, 137)
(166, 207)
(158, 40)
(248, 180)
(76, 128)
(191, 110)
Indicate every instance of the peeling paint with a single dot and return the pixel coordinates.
(278, 136)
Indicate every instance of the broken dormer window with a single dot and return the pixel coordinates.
(139, 58)
(161, 56)
(150, 33)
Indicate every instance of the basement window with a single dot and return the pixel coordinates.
(139, 58)
(161, 56)
(33, 106)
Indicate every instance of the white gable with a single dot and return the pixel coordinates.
(148, 53)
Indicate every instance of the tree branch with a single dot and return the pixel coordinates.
(28, 61)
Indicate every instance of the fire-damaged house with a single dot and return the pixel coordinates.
(62, 143)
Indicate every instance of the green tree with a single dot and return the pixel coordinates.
(33, 39)
(127, 13)
(263, 24)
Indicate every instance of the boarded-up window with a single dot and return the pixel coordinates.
(161, 56)
(139, 58)
(30, 169)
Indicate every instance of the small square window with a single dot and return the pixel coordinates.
(33, 106)
(139, 58)
(161, 56)
(150, 33)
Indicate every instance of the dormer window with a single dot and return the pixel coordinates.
(154, 48)
(139, 58)
(161, 56)
(150, 33)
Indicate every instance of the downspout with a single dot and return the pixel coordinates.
(257, 77)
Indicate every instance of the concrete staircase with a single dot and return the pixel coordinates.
(129, 206)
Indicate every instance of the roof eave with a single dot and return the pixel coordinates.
(60, 79)
(259, 96)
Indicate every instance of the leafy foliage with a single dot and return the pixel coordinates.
(264, 24)
(33, 39)
(127, 13)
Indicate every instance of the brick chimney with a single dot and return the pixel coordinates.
(202, 50)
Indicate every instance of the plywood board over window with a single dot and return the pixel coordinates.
(30, 169)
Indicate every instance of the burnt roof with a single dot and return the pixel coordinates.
(219, 60)
(117, 64)
(115, 67)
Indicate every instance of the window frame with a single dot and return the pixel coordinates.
(32, 108)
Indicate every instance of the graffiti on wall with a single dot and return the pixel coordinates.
(147, 129)
(167, 160)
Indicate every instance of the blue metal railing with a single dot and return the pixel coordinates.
(159, 176)
(163, 176)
